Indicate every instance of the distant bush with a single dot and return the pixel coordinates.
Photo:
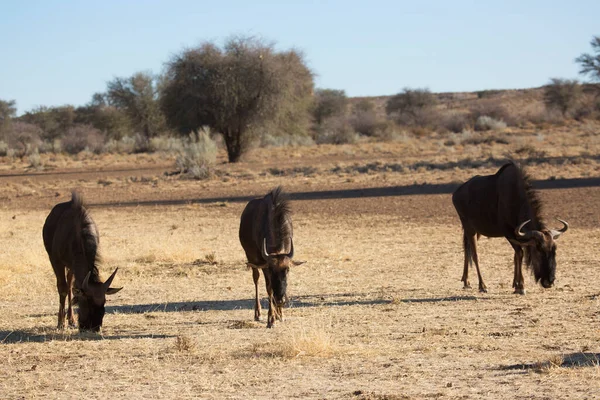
(493, 109)
(3, 148)
(329, 103)
(562, 95)
(484, 94)
(198, 156)
(454, 122)
(269, 140)
(336, 130)
(167, 144)
(83, 137)
(485, 123)
(23, 138)
(412, 107)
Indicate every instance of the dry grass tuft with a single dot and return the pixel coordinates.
(555, 361)
(309, 342)
(185, 344)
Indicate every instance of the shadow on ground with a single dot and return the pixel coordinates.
(415, 189)
(331, 300)
(47, 335)
(573, 360)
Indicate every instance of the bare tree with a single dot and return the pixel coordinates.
(590, 63)
(562, 95)
(236, 90)
(8, 110)
(137, 96)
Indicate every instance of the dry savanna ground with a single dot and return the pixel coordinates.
(377, 312)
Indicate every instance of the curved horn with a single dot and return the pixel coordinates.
(526, 235)
(85, 285)
(291, 253)
(106, 284)
(265, 255)
(557, 232)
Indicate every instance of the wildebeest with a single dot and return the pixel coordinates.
(71, 240)
(501, 205)
(266, 235)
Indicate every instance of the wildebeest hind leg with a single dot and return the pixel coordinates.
(256, 276)
(70, 299)
(482, 286)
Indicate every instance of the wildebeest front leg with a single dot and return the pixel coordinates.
(518, 281)
(63, 289)
(70, 299)
(256, 276)
(272, 311)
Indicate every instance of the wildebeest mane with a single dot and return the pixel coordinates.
(535, 204)
(85, 236)
(279, 216)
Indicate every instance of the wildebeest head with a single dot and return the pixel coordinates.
(540, 251)
(278, 264)
(91, 299)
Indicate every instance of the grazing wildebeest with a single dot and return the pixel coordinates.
(501, 205)
(266, 235)
(71, 240)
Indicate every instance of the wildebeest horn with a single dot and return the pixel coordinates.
(86, 281)
(526, 235)
(265, 255)
(557, 232)
(106, 284)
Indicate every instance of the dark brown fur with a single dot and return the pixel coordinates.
(71, 240)
(495, 206)
(269, 218)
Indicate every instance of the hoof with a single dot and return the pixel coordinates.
(257, 318)
(520, 291)
(483, 290)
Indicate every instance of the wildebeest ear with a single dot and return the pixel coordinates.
(298, 262)
(113, 290)
(250, 265)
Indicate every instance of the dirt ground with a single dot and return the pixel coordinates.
(377, 312)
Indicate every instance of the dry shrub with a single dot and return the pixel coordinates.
(35, 161)
(165, 144)
(494, 109)
(83, 137)
(454, 122)
(198, 156)
(365, 123)
(23, 138)
(336, 130)
(485, 123)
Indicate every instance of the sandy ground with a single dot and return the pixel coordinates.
(377, 312)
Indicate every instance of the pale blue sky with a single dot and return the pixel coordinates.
(61, 52)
